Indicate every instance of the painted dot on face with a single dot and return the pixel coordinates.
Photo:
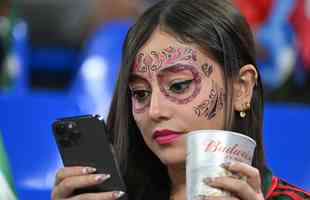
(183, 91)
(207, 69)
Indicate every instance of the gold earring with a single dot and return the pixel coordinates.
(242, 114)
(245, 106)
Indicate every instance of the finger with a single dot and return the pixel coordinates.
(218, 198)
(72, 171)
(241, 188)
(65, 188)
(252, 174)
(99, 196)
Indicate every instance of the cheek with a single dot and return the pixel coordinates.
(138, 117)
(139, 108)
(141, 121)
(208, 109)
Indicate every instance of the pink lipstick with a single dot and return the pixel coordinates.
(166, 136)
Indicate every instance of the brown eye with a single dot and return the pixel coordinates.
(140, 95)
(180, 87)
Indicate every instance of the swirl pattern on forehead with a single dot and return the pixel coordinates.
(155, 60)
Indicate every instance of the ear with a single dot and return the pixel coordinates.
(243, 87)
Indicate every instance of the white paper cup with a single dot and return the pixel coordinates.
(206, 151)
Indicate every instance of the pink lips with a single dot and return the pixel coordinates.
(166, 136)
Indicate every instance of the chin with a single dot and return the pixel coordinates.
(172, 158)
(173, 162)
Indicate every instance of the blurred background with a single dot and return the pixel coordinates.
(61, 58)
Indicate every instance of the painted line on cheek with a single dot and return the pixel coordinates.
(215, 103)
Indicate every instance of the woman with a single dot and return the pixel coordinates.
(187, 65)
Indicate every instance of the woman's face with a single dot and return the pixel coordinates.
(175, 89)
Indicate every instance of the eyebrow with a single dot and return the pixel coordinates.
(135, 76)
(176, 67)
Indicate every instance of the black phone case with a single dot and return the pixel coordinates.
(82, 141)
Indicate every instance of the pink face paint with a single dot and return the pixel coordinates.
(153, 62)
(189, 93)
(156, 59)
(138, 109)
(139, 106)
(214, 104)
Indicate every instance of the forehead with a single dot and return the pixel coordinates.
(161, 40)
(163, 50)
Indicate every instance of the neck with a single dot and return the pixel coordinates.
(177, 174)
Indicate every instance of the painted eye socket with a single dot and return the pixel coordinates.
(180, 87)
(140, 95)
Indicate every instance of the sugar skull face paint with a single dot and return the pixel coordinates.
(207, 69)
(140, 98)
(211, 106)
(179, 82)
(180, 90)
(147, 63)
(176, 88)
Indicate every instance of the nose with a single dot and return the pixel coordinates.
(159, 108)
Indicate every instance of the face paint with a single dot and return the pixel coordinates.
(155, 60)
(139, 110)
(207, 69)
(215, 103)
(140, 100)
(183, 91)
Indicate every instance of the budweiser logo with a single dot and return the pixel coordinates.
(232, 150)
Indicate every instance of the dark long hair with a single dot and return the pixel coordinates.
(218, 29)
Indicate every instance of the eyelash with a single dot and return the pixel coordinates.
(185, 83)
(135, 94)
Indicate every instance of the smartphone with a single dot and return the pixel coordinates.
(83, 141)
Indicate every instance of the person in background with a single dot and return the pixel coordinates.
(4, 29)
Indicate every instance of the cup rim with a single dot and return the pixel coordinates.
(222, 131)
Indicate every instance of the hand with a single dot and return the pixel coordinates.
(70, 178)
(243, 190)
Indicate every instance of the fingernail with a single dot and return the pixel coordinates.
(226, 165)
(102, 177)
(208, 180)
(118, 194)
(88, 170)
(203, 197)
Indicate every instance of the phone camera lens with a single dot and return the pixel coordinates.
(60, 128)
(67, 133)
(71, 125)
